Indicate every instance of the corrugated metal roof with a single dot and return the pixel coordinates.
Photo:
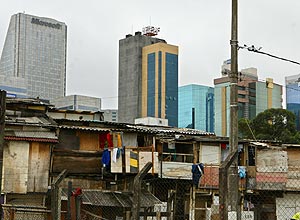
(31, 101)
(75, 127)
(36, 121)
(113, 126)
(259, 144)
(31, 139)
(32, 134)
(114, 199)
(39, 136)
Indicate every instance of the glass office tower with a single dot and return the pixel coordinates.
(160, 82)
(293, 96)
(196, 107)
(33, 60)
(254, 97)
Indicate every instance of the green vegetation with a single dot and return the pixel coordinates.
(272, 124)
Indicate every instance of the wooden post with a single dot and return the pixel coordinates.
(127, 215)
(2, 126)
(192, 203)
(53, 201)
(158, 216)
(56, 196)
(78, 207)
(137, 191)
(223, 184)
(69, 200)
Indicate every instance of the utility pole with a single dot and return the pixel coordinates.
(233, 202)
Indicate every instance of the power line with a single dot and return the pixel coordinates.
(258, 50)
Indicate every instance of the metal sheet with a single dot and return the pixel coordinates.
(271, 160)
(176, 170)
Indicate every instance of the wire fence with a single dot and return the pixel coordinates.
(267, 189)
(262, 196)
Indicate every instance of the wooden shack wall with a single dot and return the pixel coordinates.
(39, 164)
(76, 164)
(84, 183)
(88, 140)
(210, 154)
(15, 167)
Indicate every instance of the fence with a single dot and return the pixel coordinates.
(265, 193)
(21, 212)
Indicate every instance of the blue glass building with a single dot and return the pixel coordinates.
(160, 82)
(197, 100)
(293, 96)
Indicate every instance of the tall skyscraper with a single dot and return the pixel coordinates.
(33, 60)
(196, 107)
(293, 96)
(253, 97)
(148, 79)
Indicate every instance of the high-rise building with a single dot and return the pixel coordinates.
(253, 97)
(33, 60)
(293, 96)
(77, 103)
(110, 115)
(148, 79)
(196, 107)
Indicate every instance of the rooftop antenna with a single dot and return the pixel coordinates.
(150, 30)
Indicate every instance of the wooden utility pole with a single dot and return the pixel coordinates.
(233, 202)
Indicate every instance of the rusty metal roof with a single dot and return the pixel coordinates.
(114, 126)
(30, 139)
(39, 136)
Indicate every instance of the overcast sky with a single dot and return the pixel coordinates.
(201, 29)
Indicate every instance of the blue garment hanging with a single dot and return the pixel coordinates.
(198, 171)
(106, 157)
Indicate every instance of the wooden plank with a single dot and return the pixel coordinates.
(116, 167)
(84, 183)
(145, 157)
(89, 141)
(77, 153)
(210, 154)
(293, 155)
(251, 171)
(15, 167)
(176, 170)
(38, 172)
(77, 165)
